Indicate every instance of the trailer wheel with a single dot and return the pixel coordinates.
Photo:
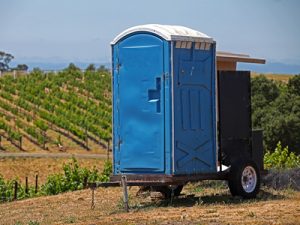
(232, 188)
(244, 179)
(177, 190)
(167, 190)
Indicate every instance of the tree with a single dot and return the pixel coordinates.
(91, 67)
(102, 69)
(284, 128)
(276, 109)
(267, 88)
(263, 93)
(5, 59)
(294, 85)
(72, 67)
(22, 67)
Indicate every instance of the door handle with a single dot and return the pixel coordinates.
(154, 94)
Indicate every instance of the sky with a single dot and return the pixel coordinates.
(81, 30)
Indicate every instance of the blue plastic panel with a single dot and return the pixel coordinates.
(139, 129)
(194, 111)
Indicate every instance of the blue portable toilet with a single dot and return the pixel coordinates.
(164, 101)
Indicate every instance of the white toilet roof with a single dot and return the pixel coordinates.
(167, 32)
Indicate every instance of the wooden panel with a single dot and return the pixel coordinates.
(226, 66)
(233, 57)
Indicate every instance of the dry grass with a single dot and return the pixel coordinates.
(277, 77)
(28, 167)
(208, 206)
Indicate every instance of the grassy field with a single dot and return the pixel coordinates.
(11, 168)
(197, 205)
(278, 77)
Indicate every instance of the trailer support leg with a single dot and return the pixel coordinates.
(172, 196)
(125, 193)
(93, 198)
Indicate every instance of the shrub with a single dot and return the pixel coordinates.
(74, 177)
(281, 158)
(106, 171)
(7, 189)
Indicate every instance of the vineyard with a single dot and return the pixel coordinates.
(48, 111)
(71, 110)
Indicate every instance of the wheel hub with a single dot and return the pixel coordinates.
(249, 179)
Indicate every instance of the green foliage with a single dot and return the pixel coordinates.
(21, 67)
(276, 109)
(281, 158)
(73, 178)
(13, 135)
(18, 223)
(71, 219)
(78, 102)
(106, 171)
(58, 141)
(7, 189)
(294, 85)
(41, 124)
(5, 59)
(33, 222)
(265, 88)
(91, 67)
(73, 67)
(102, 69)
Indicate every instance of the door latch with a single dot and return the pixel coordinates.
(154, 94)
(119, 144)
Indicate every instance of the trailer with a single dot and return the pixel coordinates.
(181, 113)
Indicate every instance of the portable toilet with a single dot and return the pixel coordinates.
(164, 98)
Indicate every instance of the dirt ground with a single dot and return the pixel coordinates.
(196, 205)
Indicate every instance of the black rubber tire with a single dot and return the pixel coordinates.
(162, 189)
(235, 178)
(232, 188)
(167, 190)
(178, 190)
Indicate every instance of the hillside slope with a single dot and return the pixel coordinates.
(195, 206)
(69, 110)
(65, 111)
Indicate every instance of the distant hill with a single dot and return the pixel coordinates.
(56, 66)
(269, 67)
(278, 68)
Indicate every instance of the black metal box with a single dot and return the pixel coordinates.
(234, 93)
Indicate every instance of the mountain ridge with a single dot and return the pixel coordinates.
(269, 67)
